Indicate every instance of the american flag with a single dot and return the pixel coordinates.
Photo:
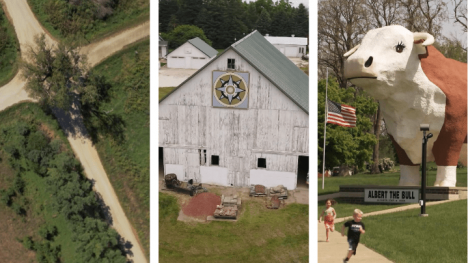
(341, 114)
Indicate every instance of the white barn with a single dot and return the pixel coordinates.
(193, 54)
(241, 119)
(289, 46)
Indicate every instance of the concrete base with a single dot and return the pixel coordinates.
(355, 193)
(423, 215)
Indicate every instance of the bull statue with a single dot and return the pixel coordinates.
(415, 84)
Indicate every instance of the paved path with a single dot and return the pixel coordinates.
(26, 27)
(335, 250)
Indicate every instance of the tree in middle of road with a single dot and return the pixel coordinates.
(58, 76)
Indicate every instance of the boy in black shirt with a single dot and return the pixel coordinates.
(356, 227)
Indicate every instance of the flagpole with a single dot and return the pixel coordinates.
(325, 132)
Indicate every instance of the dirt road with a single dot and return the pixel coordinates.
(100, 50)
(26, 27)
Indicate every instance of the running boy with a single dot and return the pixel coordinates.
(330, 216)
(356, 227)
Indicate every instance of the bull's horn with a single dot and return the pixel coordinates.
(428, 38)
(349, 53)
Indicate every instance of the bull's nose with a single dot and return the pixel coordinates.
(368, 62)
(358, 67)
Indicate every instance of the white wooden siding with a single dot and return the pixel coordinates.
(273, 127)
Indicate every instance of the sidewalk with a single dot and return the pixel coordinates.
(337, 248)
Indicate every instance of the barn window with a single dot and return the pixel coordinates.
(214, 159)
(195, 58)
(261, 163)
(202, 154)
(202, 58)
(231, 63)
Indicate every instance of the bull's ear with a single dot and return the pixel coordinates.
(425, 38)
(350, 52)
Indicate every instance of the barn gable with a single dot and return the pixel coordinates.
(272, 64)
(222, 144)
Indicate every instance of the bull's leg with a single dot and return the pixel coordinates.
(409, 172)
(409, 175)
(446, 176)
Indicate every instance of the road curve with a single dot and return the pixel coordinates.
(98, 51)
(26, 27)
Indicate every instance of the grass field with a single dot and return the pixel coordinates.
(9, 56)
(38, 210)
(332, 184)
(164, 91)
(346, 209)
(127, 162)
(123, 17)
(407, 238)
(260, 235)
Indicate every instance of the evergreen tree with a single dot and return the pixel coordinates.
(301, 18)
(264, 22)
(188, 11)
(167, 11)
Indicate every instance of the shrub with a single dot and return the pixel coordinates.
(28, 242)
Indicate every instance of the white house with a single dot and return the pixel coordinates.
(241, 119)
(193, 54)
(289, 46)
(162, 47)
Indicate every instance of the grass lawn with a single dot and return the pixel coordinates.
(332, 184)
(9, 55)
(346, 209)
(121, 18)
(259, 235)
(39, 211)
(164, 91)
(406, 237)
(127, 162)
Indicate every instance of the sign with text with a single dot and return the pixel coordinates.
(398, 196)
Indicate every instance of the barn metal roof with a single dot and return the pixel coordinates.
(270, 62)
(203, 47)
(302, 41)
(281, 71)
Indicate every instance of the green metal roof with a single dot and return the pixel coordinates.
(275, 66)
(203, 47)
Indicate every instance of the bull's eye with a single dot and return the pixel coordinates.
(399, 48)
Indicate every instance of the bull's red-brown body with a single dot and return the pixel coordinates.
(450, 76)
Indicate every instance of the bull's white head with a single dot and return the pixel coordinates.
(386, 56)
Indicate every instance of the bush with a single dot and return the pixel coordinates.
(28, 243)
(18, 184)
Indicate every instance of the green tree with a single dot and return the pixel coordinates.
(97, 242)
(167, 11)
(54, 73)
(264, 22)
(351, 146)
(182, 33)
(301, 17)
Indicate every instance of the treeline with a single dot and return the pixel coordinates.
(78, 18)
(226, 20)
(30, 151)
